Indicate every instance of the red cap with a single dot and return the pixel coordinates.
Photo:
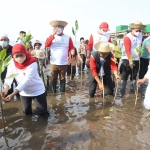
(104, 26)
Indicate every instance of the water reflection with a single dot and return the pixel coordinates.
(78, 122)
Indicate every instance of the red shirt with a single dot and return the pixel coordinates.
(127, 45)
(93, 65)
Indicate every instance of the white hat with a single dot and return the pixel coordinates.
(39, 54)
(4, 35)
(104, 47)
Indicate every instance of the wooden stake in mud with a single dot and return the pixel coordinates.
(3, 119)
(116, 91)
(103, 90)
(147, 115)
(71, 69)
(81, 69)
(136, 97)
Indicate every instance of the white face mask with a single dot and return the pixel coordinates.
(20, 60)
(59, 31)
(136, 33)
(104, 33)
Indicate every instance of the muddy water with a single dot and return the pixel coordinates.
(78, 123)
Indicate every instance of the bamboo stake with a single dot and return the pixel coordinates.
(103, 90)
(116, 92)
(81, 69)
(71, 68)
(147, 115)
(3, 119)
(1, 105)
(136, 92)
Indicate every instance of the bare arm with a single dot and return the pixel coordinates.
(148, 48)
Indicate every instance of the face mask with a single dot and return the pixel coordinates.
(59, 31)
(20, 60)
(3, 43)
(136, 33)
(104, 33)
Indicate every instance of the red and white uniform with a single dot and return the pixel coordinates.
(94, 38)
(130, 43)
(60, 47)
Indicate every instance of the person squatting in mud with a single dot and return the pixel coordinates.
(101, 64)
(30, 85)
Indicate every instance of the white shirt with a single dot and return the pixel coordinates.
(28, 80)
(147, 75)
(101, 72)
(100, 38)
(135, 43)
(59, 50)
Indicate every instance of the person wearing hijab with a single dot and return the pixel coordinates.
(30, 85)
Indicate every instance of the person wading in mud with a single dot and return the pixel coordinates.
(30, 85)
(144, 62)
(4, 44)
(101, 64)
(101, 35)
(60, 45)
(82, 50)
(130, 60)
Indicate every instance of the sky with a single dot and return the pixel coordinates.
(35, 15)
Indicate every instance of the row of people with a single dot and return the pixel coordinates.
(99, 58)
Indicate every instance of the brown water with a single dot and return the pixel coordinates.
(77, 124)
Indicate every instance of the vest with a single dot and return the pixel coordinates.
(106, 66)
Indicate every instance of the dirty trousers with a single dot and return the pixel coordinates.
(58, 70)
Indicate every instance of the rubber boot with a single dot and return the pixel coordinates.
(123, 87)
(143, 90)
(53, 85)
(133, 86)
(62, 85)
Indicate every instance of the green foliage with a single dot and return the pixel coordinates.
(138, 50)
(4, 62)
(26, 39)
(2, 54)
(131, 57)
(73, 32)
(76, 25)
(76, 28)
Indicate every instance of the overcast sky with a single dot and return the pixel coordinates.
(35, 15)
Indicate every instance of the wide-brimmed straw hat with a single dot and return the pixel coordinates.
(55, 23)
(37, 42)
(137, 25)
(104, 47)
(40, 54)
